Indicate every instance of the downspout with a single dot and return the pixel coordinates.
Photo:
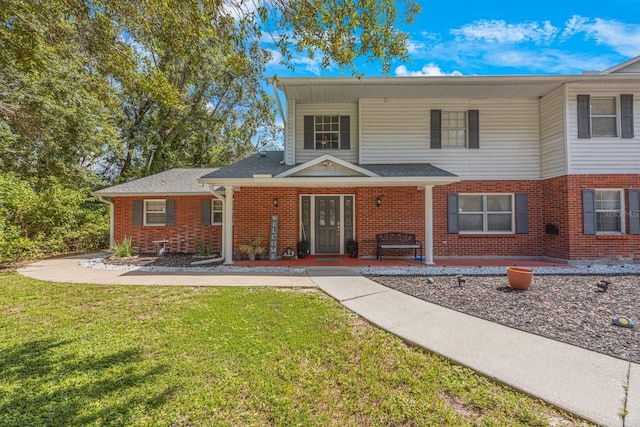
(277, 97)
(221, 257)
(112, 222)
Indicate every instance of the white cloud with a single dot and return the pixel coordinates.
(427, 70)
(621, 37)
(276, 57)
(314, 66)
(415, 47)
(496, 31)
(547, 60)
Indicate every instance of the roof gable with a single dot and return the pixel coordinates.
(631, 66)
(327, 165)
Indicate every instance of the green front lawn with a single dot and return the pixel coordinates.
(176, 356)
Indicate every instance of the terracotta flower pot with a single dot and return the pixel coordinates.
(519, 278)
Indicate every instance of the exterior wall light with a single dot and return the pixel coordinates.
(378, 201)
(275, 202)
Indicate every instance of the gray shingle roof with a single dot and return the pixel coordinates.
(405, 170)
(271, 164)
(256, 164)
(173, 181)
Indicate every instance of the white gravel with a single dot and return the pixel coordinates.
(97, 263)
(594, 269)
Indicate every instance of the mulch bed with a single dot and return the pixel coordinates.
(571, 309)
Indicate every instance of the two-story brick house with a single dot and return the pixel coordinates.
(479, 166)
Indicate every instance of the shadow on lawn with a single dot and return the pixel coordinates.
(47, 384)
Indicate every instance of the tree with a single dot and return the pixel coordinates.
(115, 89)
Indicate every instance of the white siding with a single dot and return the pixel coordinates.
(302, 110)
(602, 155)
(289, 147)
(553, 149)
(397, 131)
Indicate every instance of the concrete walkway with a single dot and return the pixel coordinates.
(586, 383)
(67, 269)
(592, 385)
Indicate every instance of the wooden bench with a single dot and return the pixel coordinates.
(397, 241)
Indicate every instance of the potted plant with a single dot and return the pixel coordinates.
(252, 248)
(519, 278)
(303, 248)
(352, 248)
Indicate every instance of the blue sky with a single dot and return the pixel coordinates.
(508, 37)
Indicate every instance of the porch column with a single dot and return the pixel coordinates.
(428, 224)
(228, 225)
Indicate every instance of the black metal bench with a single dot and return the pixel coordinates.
(397, 241)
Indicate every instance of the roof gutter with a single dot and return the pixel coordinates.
(334, 181)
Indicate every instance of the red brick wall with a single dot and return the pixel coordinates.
(402, 209)
(488, 245)
(182, 236)
(572, 243)
(553, 201)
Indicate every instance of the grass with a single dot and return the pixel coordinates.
(194, 356)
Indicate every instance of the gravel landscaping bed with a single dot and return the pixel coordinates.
(571, 309)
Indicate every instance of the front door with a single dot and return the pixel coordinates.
(327, 218)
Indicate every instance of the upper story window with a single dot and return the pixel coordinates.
(485, 213)
(605, 116)
(604, 119)
(454, 128)
(155, 212)
(327, 132)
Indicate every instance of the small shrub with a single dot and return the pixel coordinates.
(202, 249)
(123, 249)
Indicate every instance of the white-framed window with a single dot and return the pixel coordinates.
(155, 212)
(454, 129)
(609, 211)
(216, 212)
(485, 213)
(327, 132)
(604, 116)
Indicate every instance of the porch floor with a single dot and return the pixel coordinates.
(345, 261)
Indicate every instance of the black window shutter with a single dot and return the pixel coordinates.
(584, 116)
(634, 211)
(626, 117)
(452, 212)
(589, 211)
(345, 132)
(436, 128)
(522, 213)
(309, 123)
(474, 128)
(137, 212)
(205, 211)
(170, 208)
